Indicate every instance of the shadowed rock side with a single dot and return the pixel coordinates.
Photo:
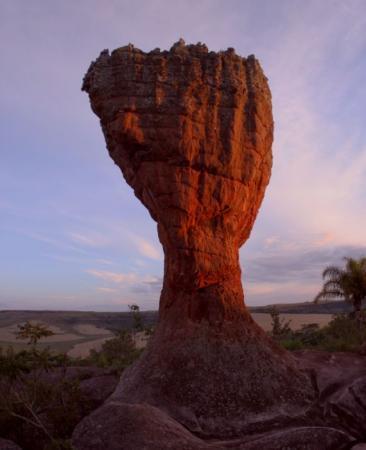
(191, 131)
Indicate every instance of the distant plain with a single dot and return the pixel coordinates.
(77, 332)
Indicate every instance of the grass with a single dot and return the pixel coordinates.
(296, 320)
(342, 334)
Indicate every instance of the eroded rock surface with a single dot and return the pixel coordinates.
(340, 381)
(335, 420)
(191, 131)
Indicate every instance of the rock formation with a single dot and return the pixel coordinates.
(191, 131)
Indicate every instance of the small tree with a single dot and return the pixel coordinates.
(33, 332)
(137, 324)
(280, 327)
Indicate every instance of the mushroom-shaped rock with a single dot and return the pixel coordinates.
(191, 131)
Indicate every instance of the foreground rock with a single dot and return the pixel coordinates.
(123, 426)
(340, 382)
(336, 419)
(191, 131)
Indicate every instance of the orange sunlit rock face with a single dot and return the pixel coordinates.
(191, 131)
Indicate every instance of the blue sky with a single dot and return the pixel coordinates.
(72, 234)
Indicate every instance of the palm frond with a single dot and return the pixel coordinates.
(332, 272)
(332, 285)
(348, 283)
(328, 295)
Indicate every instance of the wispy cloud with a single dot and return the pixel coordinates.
(285, 292)
(89, 239)
(313, 213)
(147, 249)
(290, 271)
(124, 283)
(63, 297)
(148, 285)
(126, 278)
(116, 235)
(106, 290)
(113, 277)
(319, 160)
(79, 260)
(58, 242)
(104, 261)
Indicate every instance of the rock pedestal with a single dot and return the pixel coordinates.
(191, 131)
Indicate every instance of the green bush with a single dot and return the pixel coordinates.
(40, 414)
(308, 336)
(116, 353)
(14, 363)
(291, 344)
(343, 333)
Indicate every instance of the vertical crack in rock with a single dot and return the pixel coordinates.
(191, 131)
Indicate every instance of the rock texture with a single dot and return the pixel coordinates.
(340, 381)
(335, 420)
(192, 134)
(191, 131)
(129, 427)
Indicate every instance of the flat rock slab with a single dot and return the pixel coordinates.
(340, 379)
(118, 426)
(333, 369)
(300, 438)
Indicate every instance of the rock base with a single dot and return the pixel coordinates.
(335, 420)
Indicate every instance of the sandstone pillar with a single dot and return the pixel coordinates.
(191, 131)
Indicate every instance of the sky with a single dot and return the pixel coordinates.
(72, 234)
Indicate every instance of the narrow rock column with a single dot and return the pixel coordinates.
(191, 131)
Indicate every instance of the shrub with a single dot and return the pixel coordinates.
(343, 333)
(37, 413)
(40, 411)
(116, 353)
(280, 328)
(13, 364)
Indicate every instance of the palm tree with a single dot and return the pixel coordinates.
(348, 284)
